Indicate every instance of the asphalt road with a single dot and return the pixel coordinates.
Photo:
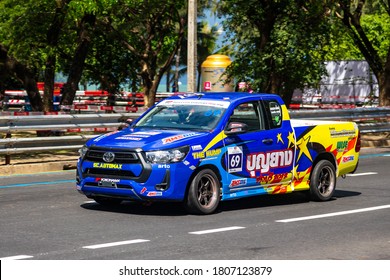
(44, 217)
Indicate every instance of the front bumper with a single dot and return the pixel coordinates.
(133, 179)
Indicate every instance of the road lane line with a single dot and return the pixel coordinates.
(215, 230)
(112, 244)
(18, 257)
(37, 183)
(333, 214)
(362, 174)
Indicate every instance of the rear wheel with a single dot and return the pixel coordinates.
(323, 181)
(204, 193)
(105, 201)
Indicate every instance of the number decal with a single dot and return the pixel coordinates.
(235, 157)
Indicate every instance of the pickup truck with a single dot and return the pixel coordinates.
(204, 148)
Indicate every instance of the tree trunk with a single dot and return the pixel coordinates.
(77, 67)
(49, 84)
(13, 67)
(384, 86)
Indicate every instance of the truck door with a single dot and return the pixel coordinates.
(258, 157)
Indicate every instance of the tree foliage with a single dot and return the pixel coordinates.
(277, 44)
(105, 41)
(367, 23)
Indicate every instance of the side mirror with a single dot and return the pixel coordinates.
(127, 123)
(236, 128)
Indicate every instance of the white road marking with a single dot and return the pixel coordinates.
(112, 244)
(18, 257)
(362, 174)
(215, 230)
(333, 214)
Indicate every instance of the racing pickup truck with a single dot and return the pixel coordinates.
(204, 148)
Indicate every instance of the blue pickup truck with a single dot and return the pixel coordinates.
(204, 148)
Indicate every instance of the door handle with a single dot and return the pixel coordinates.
(268, 141)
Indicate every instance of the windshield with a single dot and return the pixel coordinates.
(183, 116)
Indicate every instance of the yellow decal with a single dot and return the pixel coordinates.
(107, 165)
(216, 139)
(303, 149)
(209, 153)
(285, 113)
(280, 138)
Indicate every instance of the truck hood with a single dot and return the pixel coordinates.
(147, 139)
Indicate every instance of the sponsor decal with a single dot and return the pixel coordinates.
(271, 178)
(209, 153)
(342, 146)
(164, 166)
(137, 136)
(153, 193)
(146, 133)
(177, 137)
(238, 183)
(235, 159)
(107, 165)
(107, 180)
(104, 136)
(219, 104)
(341, 133)
(263, 162)
(196, 147)
(348, 158)
(126, 137)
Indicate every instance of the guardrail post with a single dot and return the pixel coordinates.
(8, 157)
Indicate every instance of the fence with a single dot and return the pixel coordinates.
(86, 126)
(88, 101)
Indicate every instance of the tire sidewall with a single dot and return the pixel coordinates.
(315, 177)
(192, 204)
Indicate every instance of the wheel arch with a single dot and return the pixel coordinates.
(200, 168)
(325, 156)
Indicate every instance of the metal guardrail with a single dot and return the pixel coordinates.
(86, 126)
(369, 120)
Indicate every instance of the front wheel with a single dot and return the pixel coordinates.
(323, 181)
(204, 193)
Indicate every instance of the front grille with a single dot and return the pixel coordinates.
(120, 156)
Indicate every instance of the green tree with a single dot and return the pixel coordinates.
(34, 32)
(368, 25)
(152, 31)
(278, 44)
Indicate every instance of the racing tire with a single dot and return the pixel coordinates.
(323, 181)
(105, 201)
(204, 193)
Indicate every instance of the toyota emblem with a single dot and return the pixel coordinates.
(108, 157)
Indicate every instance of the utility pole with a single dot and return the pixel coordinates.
(192, 43)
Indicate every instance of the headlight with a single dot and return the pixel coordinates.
(83, 151)
(167, 156)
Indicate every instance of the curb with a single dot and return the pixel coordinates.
(33, 168)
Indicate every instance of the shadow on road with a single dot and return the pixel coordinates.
(177, 209)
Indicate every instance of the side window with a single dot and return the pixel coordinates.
(248, 113)
(274, 113)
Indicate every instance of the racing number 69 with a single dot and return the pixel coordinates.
(235, 161)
